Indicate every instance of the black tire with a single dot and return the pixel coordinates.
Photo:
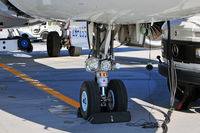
(25, 35)
(53, 44)
(92, 104)
(24, 44)
(118, 88)
(75, 51)
(181, 90)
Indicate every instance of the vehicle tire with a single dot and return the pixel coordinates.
(25, 35)
(75, 51)
(117, 95)
(90, 99)
(181, 90)
(44, 35)
(24, 44)
(53, 44)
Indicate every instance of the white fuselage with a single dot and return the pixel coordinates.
(109, 11)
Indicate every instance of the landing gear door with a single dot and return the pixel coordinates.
(78, 34)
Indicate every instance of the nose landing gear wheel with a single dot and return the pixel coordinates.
(117, 96)
(90, 100)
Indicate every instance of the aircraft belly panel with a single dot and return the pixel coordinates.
(109, 11)
(9, 19)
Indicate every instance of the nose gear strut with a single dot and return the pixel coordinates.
(102, 93)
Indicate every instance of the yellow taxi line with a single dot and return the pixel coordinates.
(42, 86)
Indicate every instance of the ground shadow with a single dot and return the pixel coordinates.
(35, 107)
(141, 84)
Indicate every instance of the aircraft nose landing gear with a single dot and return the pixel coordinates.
(101, 100)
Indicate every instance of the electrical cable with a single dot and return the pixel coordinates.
(172, 81)
(143, 122)
(173, 85)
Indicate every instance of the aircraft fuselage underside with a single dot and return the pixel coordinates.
(109, 11)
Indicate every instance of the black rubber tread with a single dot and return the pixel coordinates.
(75, 51)
(120, 94)
(25, 35)
(53, 44)
(30, 49)
(94, 98)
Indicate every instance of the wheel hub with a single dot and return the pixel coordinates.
(84, 101)
(24, 43)
(111, 100)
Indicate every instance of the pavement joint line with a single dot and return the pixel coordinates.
(41, 86)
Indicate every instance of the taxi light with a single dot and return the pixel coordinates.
(92, 64)
(105, 65)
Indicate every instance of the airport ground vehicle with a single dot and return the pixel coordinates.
(74, 37)
(11, 39)
(40, 31)
(185, 42)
